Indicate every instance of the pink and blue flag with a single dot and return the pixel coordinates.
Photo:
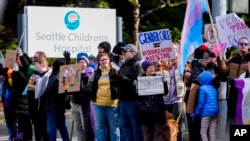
(191, 37)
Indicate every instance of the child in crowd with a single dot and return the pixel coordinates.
(207, 107)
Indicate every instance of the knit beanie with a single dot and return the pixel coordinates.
(118, 48)
(82, 56)
(105, 45)
(145, 64)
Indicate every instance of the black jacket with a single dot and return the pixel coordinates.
(113, 84)
(129, 72)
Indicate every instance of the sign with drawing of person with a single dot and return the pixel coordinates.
(156, 45)
(212, 34)
(69, 78)
(150, 85)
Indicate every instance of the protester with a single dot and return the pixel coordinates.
(234, 67)
(105, 99)
(207, 107)
(151, 107)
(105, 47)
(117, 52)
(54, 105)
(246, 73)
(92, 62)
(36, 107)
(174, 101)
(129, 71)
(80, 100)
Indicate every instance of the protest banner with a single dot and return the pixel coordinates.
(150, 85)
(156, 45)
(243, 101)
(69, 78)
(10, 58)
(231, 28)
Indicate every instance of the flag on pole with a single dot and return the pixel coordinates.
(191, 37)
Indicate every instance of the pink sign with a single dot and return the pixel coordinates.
(219, 49)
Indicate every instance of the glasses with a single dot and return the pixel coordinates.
(243, 44)
(103, 60)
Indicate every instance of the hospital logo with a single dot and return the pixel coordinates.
(72, 20)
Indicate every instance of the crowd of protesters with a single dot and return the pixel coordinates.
(108, 106)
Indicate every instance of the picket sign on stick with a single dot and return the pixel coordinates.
(212, 23)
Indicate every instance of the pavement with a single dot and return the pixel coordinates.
(4, 134)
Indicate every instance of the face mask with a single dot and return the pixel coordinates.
(210, 65)
(116, 58)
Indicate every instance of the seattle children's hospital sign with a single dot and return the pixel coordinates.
(55, 29)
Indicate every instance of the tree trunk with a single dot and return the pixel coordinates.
(136, 21)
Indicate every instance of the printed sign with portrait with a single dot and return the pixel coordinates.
(69, 78)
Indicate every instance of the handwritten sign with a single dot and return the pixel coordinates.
(69, 78)
(150, 85)
(10, 58)
(220, 48)
(231, 27)
(156, 45)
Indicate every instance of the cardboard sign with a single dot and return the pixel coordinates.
(69, 78)
(231, 28)
(150, 85)
(156, 45)
(10, 58)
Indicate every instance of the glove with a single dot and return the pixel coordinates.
(116, 77)
(85, 79)
(66, 55)
(19, 51)
(192, 116)
(15, 67)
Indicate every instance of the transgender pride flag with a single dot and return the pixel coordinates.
(191, 37)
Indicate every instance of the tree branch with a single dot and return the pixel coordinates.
(163, 5)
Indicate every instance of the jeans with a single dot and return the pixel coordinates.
(176, 109)
(56, 120)
(129, 121)
(103, 114)
(76, 112)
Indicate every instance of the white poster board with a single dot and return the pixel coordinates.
(231, 29)
(156, 45)
(55, 29)
(150, 85)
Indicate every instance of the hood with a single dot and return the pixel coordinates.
(206, 78)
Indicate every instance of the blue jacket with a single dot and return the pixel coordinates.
(207, 101)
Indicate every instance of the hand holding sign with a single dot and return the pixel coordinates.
(218, 49)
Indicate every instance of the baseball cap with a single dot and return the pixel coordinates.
(130, 47)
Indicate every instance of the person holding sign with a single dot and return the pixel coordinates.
(54, 105)
(151, 107)
(104, 98)
(127, 78)
(174, 101)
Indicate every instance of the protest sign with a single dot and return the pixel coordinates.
(69, 78)
(231, 28)
(220, 48)
(10, 58)
(156, 45)
(150, 85)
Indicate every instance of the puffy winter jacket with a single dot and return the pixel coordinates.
(207, 101)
